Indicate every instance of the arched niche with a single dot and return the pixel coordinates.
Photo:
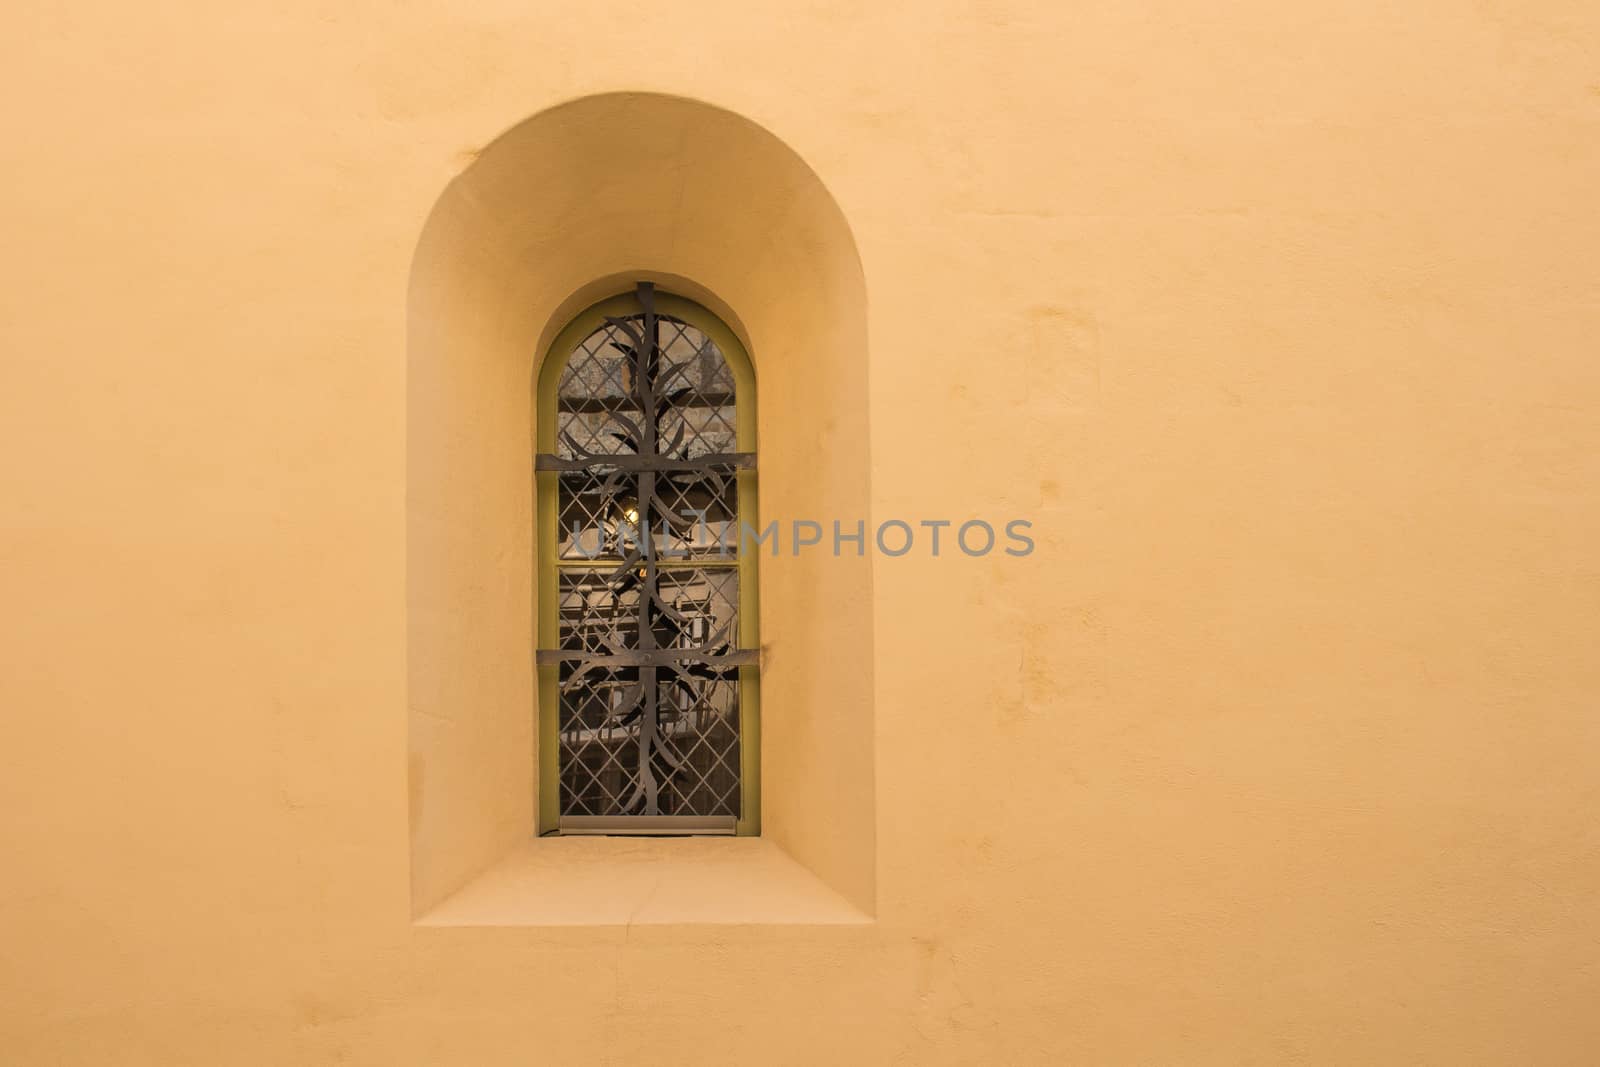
(574, 204)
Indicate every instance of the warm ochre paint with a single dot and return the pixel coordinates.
(1278, 320)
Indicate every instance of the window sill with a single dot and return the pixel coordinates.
(634, 881)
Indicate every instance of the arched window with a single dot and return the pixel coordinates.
(648, 672)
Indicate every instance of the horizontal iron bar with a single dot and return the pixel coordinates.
(628, 405)
(721, 825)
(657, 657)
(743, 461)
(663, 562)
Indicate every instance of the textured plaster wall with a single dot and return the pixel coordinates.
(1278, 319)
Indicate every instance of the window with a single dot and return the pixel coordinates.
(648, 672)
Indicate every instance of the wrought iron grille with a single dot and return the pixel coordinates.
(647, 571)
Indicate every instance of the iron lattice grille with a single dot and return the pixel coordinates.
(647, 570)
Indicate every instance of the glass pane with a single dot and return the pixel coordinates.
(615, 400)
(692, 608)
(648, 718)
(662, 739)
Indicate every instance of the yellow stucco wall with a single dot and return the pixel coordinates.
(1277, 319)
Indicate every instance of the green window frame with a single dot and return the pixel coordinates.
(557, 708)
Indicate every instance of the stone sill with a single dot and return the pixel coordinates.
(637, 881)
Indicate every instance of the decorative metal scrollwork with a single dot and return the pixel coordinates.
(648, 511)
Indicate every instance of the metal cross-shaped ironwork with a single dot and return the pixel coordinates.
(647, 462)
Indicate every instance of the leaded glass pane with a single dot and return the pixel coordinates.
(648, 507)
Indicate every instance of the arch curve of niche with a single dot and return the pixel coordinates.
(573, 205)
